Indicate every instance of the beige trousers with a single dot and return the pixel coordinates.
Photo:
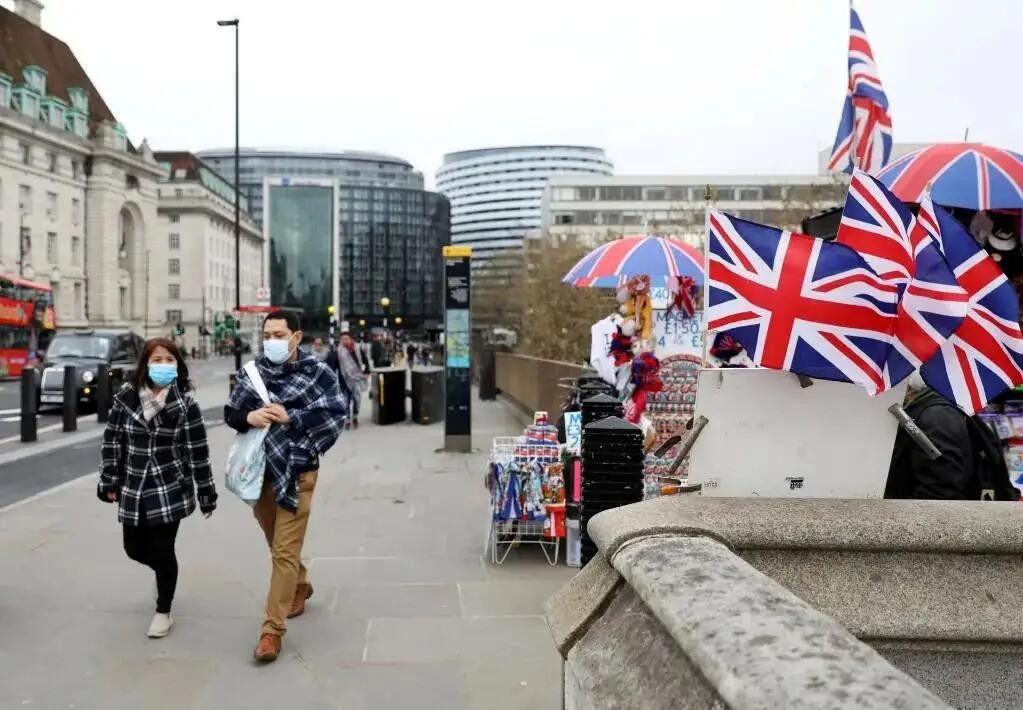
(285, 533)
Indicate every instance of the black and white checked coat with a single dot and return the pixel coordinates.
(160, 462)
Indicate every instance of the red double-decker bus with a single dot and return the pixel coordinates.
(27, 321)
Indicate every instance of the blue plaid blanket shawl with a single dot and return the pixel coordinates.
(309, 390)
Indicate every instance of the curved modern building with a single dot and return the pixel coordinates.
(351, 167)
(496, 193)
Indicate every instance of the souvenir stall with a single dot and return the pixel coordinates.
(650, 352)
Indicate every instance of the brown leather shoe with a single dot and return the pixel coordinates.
(268, 648)
(302, 592)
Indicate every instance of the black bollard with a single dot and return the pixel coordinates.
(28, 405)
(232, 380)
(70, 407)
(104, 393)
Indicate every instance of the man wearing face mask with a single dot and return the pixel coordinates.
(305, 416)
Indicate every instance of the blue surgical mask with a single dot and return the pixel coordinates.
(162, 374)
(277, 351)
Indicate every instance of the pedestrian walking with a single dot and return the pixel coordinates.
(319, 350)
(352, 369)
(305, 418)
(971, 465)
(154, 456)
(410, 354)
(377, 353)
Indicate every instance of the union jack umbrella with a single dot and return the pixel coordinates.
(799, 304)
(932, 304)
(609, 264)
(984, 357)
(971, 175)
(864, 138)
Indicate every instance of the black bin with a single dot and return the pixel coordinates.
(488, 374)
(388, 389)
(427, 394)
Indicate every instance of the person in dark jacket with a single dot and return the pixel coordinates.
(154, 456)
(305, 416)
(913, 474)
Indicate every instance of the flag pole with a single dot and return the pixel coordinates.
(706, 275)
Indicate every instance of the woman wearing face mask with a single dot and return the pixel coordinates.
(154, 456)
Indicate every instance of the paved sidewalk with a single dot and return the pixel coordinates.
(406, 612)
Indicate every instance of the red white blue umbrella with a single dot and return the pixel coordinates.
(971, 175)
(607, 265)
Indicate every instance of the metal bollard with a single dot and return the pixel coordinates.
(70, 406)
(232, 380)
(116, 382)
(104, 393)
(28, 405)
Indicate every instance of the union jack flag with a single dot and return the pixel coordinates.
(864, 137)
(800, 304)
(984, 357)
(932, 304)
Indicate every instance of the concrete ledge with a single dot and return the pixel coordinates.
(895, 570)
(965, 676)
(649, 672)
(737, 639)
(571, 610)
(924, 596)
(821, 524)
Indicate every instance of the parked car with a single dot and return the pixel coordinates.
(87, 350)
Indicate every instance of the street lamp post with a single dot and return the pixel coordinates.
(237, 205)
(385, 303)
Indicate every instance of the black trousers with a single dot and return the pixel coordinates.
(153, 546)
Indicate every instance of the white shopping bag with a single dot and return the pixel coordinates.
(246, 462)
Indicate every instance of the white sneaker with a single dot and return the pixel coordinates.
(160, 626)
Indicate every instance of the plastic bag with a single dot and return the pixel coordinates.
(246, 462)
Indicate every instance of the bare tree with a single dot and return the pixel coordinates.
(556, 317)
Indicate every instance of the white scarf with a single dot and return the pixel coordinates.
(152, 404)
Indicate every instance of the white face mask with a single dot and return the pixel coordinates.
(277, 351)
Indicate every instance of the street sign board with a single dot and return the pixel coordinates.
(263, 296)
(457, 331)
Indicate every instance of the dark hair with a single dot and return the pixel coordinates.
(141, 378)
(289, 317)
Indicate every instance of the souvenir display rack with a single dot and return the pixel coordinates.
(527, 494)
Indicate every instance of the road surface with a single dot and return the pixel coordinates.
(206, 375)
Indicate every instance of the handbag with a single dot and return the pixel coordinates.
(246, 462)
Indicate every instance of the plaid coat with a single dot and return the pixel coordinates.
(309, 391)
(159, 462)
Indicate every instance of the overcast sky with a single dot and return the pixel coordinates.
(681, 86)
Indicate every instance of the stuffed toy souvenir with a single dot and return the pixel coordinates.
(645, 379)
(682, 295)
(621, 348)
(637, 304)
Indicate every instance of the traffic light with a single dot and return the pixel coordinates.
(179, 330)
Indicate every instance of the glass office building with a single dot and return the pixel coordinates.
(300, 230)
(382, 241)
(351, 167)
(390, 245)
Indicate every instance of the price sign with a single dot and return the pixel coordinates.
(675, 334)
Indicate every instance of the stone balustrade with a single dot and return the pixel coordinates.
(784, 603)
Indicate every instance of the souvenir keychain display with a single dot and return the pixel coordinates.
(670, 410)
